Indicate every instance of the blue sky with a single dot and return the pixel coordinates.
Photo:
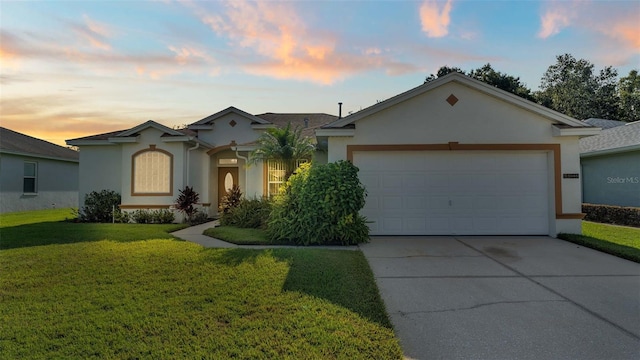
(77, 68)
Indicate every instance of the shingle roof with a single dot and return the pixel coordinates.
(15, 142)
(316, 120)
(604, 123)
(617, 137)
(113, 134)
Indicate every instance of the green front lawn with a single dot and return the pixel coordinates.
(46, 227)
(161, 298)
(620, 241)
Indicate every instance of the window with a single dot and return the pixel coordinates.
(275, 176)
(228, 161)
(152, 172)
(30, 180)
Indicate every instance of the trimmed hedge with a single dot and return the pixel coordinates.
(618, 215)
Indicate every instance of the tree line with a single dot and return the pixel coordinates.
(570, 86)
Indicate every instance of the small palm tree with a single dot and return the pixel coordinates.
(284, 145)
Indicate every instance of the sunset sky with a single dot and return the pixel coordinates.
(78, 68)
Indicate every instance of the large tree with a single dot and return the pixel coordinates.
(572, 87)
(490, 76)
(502, 81)
(629, 90)
(284, 145)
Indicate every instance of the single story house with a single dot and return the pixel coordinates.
(610, 165)
(149, 163)
(36, 174)
(452, 156)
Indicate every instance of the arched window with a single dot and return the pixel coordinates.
(152, 172)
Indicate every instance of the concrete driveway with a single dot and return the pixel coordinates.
(507, 297)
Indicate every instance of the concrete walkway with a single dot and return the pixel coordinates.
(194, 234)
(507, 297)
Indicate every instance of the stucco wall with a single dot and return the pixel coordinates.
(476, 118)
(223, 133)
(612, 179)
(57, 184)
(99, 170)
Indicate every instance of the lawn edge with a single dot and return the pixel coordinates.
(621, 251)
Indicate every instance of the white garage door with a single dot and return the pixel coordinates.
(455, 192)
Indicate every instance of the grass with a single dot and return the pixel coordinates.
(47, 227)
(620, 241)
(240, 236)
(160, 298)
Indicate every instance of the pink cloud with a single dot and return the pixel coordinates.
(93, 33)
(553, 21)
(612, 27)
(286, 46)
(435, 19)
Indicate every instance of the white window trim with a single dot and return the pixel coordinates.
(35, 177)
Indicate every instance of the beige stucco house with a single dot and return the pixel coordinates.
(452, 156)
(456, 156)
(150, 163)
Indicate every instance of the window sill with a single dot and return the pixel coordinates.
(29, 194)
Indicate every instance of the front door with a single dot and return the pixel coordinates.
(227, 177)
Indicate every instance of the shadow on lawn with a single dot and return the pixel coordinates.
(64, 232)
(340, 277)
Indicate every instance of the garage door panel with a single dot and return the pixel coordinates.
(424, 192)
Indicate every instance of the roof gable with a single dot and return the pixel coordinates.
(231, 109)
(150, 124)
(17, 143)
(468, 82)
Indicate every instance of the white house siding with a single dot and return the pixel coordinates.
(57, 184)
(100, 169)
(476, 118)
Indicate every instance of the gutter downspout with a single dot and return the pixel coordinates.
(188, 152)
(246, 163)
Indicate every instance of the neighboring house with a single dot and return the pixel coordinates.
(36, 174)
(456, 156)
(611, 166)
(149, 164)
(452, 156)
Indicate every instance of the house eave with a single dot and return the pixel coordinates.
(176, 138)
(123, 139)
(88, 142)
(610, 151)
(38, 156)
(574, 131)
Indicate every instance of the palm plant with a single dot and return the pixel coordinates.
(284, 145)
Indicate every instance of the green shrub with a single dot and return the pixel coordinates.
(248, 213)
(198, 217)
(99, 206)
(122, 217)
(162, 216)
(618, 215)
(142, 216)
(320, 204)
(230, 200)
